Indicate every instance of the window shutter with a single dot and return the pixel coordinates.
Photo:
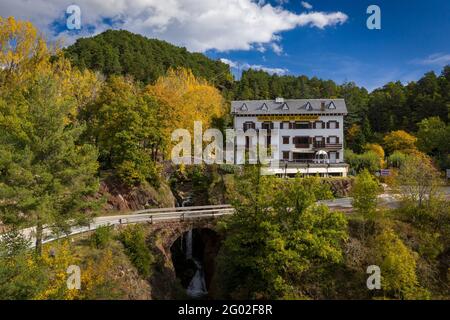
(281, 125)
(328, 125)
(309, 140)
(337, 139)
(291, 125)
(337, 124)
(328, 139)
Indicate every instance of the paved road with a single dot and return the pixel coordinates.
(170, 214)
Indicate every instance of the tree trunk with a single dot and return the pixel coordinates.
(39, 231)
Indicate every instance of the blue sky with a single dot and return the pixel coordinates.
(414, 38)
(324, 38)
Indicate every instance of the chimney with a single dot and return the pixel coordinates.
(322, 105)
(279, 100)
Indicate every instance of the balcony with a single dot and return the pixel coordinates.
(323, 145)
(303, 146)
(305, 163)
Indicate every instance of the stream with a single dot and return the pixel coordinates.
(197, 286)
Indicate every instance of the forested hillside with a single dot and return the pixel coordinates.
(121, 52)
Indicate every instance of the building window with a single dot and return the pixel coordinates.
(301, 142)
(301, 125)
(267, 125)
(319, 142)
(318, 125)
(333, 140)
(333, 125)
(332, 157)
(285, 155)
(249, 125)
(284, 125)
(285, 140)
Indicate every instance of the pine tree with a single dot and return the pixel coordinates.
(46, 176)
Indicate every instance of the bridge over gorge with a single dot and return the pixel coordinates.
(183, 215)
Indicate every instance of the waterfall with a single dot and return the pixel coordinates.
(197, 287)
(189, 244)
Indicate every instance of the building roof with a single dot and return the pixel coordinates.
(289, 106)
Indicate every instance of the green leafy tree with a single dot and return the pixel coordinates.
(364, 193)
(271, 243)
(122, 123)
(20, 277)
(434, 139)
(396, 159)
(133, 239)
(47, 176)
(418, 181)
(398, 267)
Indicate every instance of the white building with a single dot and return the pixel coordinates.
(306, 134)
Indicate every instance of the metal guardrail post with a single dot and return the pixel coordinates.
(151, 219)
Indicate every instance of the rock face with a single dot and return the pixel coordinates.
(121, 198)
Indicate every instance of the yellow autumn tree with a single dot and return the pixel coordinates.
(399, 141)
(22, 48)
(56, 258)
(183, 99)
(376, 148)
(25, 56)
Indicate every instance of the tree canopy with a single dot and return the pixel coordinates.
(120, 52)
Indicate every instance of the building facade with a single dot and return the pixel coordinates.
(306, 135)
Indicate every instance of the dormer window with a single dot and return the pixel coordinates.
(244, 107)
(285, 106)
(264, 107)
(308, 106)
(331, 105)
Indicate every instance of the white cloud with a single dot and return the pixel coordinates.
(306, 5)
(278, 49)
(279, 71)
(232, 64)
(438, 59)
(244, 66)
(199, 25)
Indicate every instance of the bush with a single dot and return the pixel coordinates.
(396, 159)
(133, 239)
(369, 160)
(101, 237)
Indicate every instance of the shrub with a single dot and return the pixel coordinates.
(369, 160)
(101, 237)
(396, 159)
(133, 239)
